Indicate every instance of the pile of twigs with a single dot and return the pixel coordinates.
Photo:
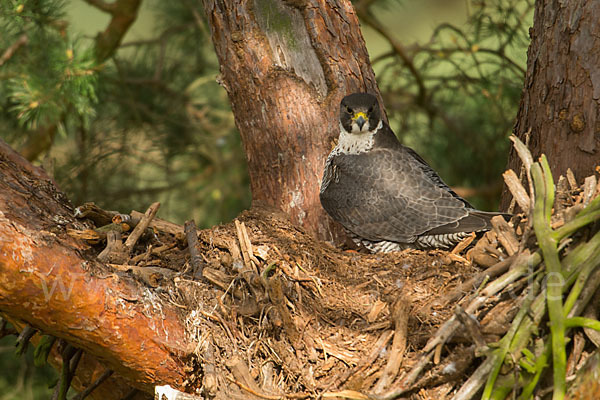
(534, 295)
(263, 301)
(562, 277)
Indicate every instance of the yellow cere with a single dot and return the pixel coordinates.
(360, 114)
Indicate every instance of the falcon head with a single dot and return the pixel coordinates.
(359, 113)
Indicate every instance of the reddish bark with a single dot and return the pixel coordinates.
(46, 282)
(285, 66)
(561, 98)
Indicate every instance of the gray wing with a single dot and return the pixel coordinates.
(433, 176)
(387, 194)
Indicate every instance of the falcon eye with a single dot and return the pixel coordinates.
(370, 109)
(349, 110)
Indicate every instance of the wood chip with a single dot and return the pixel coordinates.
(437, 354)
(161, 225)
(517, 190)
(589, 189)
(114, 252)
(463, 244)
(210, 380)
(346, 356)
(571, 179)
(458, 259)
(523, 151)
(376, 309)
(345, 394)
(471, 326)
(505, 234)
(92, 211)
(141, 227)
(89, 235)
(400, 311)
(482, 258)
(563, 195)
(591, 311)
(245, 245)
(191, 235)
(578, 344)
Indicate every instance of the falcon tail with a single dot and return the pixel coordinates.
(476, 221)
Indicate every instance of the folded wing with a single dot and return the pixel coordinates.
(389, 194)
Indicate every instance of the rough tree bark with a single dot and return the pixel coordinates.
(561, 96)
(285, 66)
(46, 282)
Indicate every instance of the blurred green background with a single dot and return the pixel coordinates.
(152, 124)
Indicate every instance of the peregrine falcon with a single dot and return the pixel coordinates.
(384, 194)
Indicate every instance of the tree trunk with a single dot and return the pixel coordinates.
(285, 66)
(47, 283)
(561, 97)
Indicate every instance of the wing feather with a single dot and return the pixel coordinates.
(387, 194)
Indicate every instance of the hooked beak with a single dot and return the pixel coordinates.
(360, 118)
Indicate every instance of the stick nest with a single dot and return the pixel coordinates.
(273, 313)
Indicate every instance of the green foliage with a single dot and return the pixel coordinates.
(55, 77)
(556, 296)
(458, 104)
(20, 380)
(42, 350)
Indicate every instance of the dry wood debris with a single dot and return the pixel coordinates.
(274, 314)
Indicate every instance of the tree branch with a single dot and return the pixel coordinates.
(364, 13)
(11, 50)
(110, 8)
(124, 13)
(46, 282)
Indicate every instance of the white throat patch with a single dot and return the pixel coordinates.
(355, 143)
(348, 143)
